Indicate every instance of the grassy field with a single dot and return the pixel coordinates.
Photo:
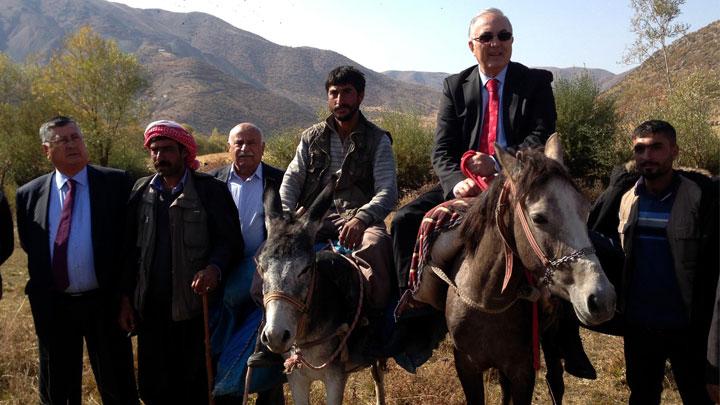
(435, 383)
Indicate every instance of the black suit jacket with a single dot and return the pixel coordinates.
(528, 116)
(109, 190)
(271, 175)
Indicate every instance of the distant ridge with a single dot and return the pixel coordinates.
(205, 72)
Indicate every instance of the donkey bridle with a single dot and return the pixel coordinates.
(549, 265)
(296, 360)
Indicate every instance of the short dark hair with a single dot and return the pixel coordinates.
(346, 75)
(652, 127)
(57, 121)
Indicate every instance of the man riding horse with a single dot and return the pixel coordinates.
(495, 101)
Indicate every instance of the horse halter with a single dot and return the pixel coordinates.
(549, 265)
(302, 306)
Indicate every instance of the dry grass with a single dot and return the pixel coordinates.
(435, 383)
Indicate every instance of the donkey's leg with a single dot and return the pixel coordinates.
(471, 379)
(378, 374)
(335, 379)
(300, 387)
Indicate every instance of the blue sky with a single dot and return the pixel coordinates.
(431, 35)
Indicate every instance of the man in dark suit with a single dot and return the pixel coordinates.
(7, 242)
(497, 101)
(77, 208)
(247, 177)
(526, 117)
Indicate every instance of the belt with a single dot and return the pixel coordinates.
(82, 294)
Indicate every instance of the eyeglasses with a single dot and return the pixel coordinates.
(488, 36)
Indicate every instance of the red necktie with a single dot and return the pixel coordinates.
(490, 121)
(59, 262)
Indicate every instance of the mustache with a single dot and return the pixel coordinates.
(337, 107)
(162, 163)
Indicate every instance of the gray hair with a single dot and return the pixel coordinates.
(493, 11)
(244, 127)
(59, 121)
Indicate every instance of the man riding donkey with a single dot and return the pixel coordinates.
(501, 102)
(349, 147)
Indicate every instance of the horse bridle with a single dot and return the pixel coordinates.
(550, 266)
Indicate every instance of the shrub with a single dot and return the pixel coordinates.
(412, 144)
(587, 125)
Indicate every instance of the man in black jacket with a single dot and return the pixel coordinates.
(525, 117)
(495, 101)
(247, 178)
(183, 238)
(70, 223)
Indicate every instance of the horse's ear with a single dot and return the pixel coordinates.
(322, 202)
(554, 149)
(508, 162)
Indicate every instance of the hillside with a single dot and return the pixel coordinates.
(434, 80)
(697, 51)
(206, 72)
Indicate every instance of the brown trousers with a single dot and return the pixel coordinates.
(374, 257)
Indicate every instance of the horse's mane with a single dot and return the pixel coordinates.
(534, 170)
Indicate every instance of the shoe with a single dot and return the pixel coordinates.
(264, 359)
(578, 364)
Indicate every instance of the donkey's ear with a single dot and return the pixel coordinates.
(271, 201)
(322, 202)
(508, 162)
(554, 149)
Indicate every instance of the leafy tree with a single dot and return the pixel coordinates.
(689, 109)
(21, 157)
(280, 147)
(587, 124)
(92, 80)
(654, 27)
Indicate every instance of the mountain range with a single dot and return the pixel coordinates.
(205, 72)
(210, 74)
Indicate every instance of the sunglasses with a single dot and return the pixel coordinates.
(488, 36)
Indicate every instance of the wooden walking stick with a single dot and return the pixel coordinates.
(208, 350)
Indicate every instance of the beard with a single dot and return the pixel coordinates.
(654, 171)
(347, 116)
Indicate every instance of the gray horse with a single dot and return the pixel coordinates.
(312, 303)
(533, 216)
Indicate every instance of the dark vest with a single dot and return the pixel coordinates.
(356, 185)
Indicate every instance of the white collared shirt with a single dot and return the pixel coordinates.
(80, 258)
(248, 197)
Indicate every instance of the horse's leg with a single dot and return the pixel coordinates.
(470, 376)
(299, 387)
(378, 374)
(554, 374)
(506, 388)
(519, 383)
(335, 380)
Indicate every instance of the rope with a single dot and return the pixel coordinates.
(297, 360)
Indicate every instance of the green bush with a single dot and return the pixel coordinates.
(587, 125)
(280, 147)
(412, 144)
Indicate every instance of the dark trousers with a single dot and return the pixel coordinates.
(171, 358)
(645, 354)
(62, 322)
(405, 226)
